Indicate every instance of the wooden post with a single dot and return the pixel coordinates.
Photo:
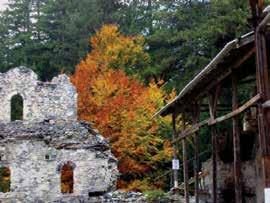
(175, 172)
(213, 99)
(195, 118)
(263, 114)
(236, 145)
(185, 165)
(185, 168)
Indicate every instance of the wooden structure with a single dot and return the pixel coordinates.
(242, 61)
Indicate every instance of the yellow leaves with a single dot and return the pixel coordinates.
(113, 50)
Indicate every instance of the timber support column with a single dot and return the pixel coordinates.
(175, 171)
(185, 164)
(195, 119)
(213, 99)
(236, 145)
(263, 113)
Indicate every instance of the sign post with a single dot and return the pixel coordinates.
(175, 167)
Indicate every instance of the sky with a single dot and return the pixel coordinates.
(2, 4)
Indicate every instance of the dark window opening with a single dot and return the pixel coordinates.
(16, 108)
(4, 179)
(247, 147)
(225, 146)
(227, 194)
(67, 178)
(47, 157)
(95, 194)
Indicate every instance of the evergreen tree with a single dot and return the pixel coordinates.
(50, 36)
(183, 36)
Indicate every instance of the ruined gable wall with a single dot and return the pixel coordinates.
(42, 100)
(35, 179)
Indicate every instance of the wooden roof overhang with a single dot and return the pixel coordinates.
(232, 56)
(246, 56)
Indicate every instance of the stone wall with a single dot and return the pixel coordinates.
(36, 152)
(42, 100)
(225, 181)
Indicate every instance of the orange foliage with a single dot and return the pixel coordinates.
(4, 179)
(67, 179)
(120, 106)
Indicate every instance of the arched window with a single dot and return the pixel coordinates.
(67, 178)
(16, 107)
(4, 179)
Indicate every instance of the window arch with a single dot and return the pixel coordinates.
(4, 179)
(67, 179)
(16, 107)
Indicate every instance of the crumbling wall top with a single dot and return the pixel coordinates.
(41, 100)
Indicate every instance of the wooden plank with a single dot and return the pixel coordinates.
(237, 111)
(236, 145)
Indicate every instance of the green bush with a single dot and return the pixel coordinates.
(155, 195)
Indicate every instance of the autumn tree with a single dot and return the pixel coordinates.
(121, 107)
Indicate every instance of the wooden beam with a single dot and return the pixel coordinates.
(237, 111)
(188, 132)
(236, 145)
(191, 130)
(244, 58)
(223, 76)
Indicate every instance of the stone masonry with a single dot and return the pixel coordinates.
(49, 136)
(42, 100)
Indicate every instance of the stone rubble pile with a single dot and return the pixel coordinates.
(119, 197)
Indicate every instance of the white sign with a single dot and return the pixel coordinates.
(267, 195)
(175, 164)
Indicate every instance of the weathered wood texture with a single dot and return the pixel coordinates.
(237, 111)
(236, 145)
(213, 100)
(195, 119)
(263, 89)
(185, 169)
(175, 172)
(226, 74)
(195, 127)
(191, 130)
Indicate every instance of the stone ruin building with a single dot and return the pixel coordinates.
(46, 155)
